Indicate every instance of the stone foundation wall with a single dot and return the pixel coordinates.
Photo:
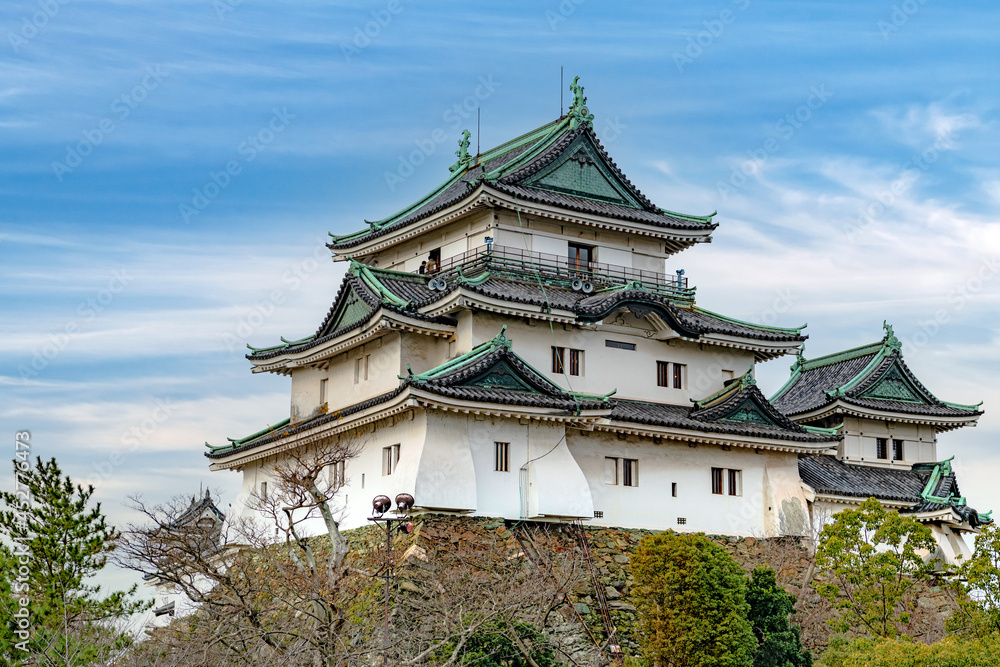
(442, 537)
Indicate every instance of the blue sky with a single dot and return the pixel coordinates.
(169, 171)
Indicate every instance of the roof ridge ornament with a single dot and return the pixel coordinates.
(890, 341)
(464, 159)
(501, 339)
(578, 112)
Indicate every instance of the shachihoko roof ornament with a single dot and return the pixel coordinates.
(464, 159)
(578, 111)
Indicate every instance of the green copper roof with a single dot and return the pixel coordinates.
(234, 442)
(795, 331)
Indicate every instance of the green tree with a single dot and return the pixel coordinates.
(978, 611)
(779, 642)
(900, 652)
(691, 597)
(63, 542)
(870, 562)
(507, 645)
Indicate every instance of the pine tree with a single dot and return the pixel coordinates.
(779, 642)
(63, 542)
(691, 597)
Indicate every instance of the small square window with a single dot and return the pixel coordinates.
(881, 448)
(502, 456)
(682, 521)
(598, 514)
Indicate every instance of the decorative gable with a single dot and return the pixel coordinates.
(894, 386)
(500, 375)
(749, 412)
(351, 310)
(581, 171)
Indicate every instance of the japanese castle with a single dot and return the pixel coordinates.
(514, 345)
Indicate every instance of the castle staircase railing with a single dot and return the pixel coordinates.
(542, 564)
(617, 656)
(504, 259)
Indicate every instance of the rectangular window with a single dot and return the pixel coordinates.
(673, 489)
(630, 472)
(263, 490)
(662, 374)
(580, 256)
(322, 392)
(670, 375)
(881, 449)
(717, 481)
(390, 459)
(728, 375)
(559, 361)
(682, 521)
(617, 344)
(598, 514)
(502, 456)
(361, 368)
(337, 474)
(558, 356)
(736, 482)
(610, 470)
(897, 450)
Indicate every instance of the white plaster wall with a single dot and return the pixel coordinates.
(631, 372)
(919, 441)
(557, 486)
(551, 245)
(384, 366)
(651, 505)
(469, 230)
(616, 256)
(446, 476)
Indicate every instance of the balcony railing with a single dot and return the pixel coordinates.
(503, 259)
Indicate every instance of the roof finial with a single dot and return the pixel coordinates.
(501, 340)
(578, 111)
(890, 340)
(463, 152)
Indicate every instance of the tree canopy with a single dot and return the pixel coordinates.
(691, 595)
